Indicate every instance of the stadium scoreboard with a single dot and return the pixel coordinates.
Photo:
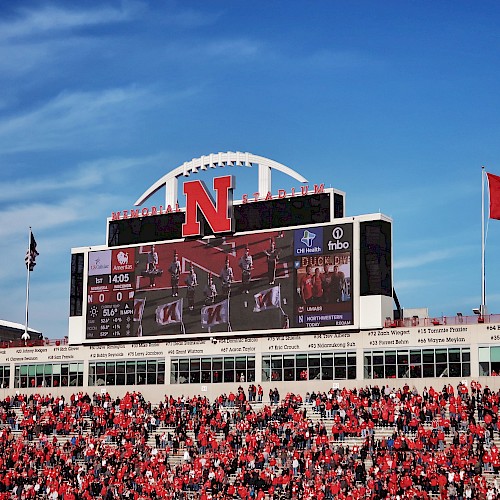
(294, 263)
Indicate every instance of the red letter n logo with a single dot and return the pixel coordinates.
(199, 202)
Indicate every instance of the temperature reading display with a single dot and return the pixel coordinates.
(110, 320)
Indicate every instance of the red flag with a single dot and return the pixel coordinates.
(494, 185)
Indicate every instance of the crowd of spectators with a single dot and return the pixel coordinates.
(371, 442)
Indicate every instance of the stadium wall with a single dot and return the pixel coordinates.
(426, 354)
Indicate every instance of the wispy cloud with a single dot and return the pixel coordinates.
(45, 39)
(219, 49)
(23, 57)
(423, 259)
(411, 284)
(49, 215)
(58, 226)
(190, 18)
(82, 177)
(345, 59)
(232, 48)
(46, 215)
(55, 20)
(64, 120)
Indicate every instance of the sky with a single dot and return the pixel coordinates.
(395, 102)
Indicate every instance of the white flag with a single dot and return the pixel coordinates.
(215, 315)
(139, 309)
(267, 299)
(168, 314)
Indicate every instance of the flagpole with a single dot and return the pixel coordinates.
(483, 245)
(229, 329)
(183, 328)
(26, 335)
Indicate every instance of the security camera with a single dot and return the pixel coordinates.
(476, 310)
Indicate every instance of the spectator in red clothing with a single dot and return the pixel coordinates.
(306, 286)
(252, 450)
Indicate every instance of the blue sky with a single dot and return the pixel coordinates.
(395, 103)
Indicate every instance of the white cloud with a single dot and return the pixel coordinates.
(328, 59)
(67, 119)
(411, 284)
(84, 176)
(15, 220)
(73, 120)
(235, 48)
(46, 216)
(54, 20)
(423, 259)
(190, 18)
(43, 39)
(18, 59)
(51, 19)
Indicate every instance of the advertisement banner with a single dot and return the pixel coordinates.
(323, 270)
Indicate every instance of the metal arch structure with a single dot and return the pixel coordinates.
(228, 159)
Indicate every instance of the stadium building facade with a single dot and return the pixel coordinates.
(280, 289)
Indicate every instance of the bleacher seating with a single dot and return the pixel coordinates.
(366, 443)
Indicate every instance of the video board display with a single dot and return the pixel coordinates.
(323, 270)
(293, 278)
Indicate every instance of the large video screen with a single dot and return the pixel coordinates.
(295, 278)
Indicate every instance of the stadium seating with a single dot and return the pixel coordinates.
(373, 442)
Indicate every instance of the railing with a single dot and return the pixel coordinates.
(4, 344)
(458, 320)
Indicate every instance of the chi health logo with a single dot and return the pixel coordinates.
(308, 238)
(98, 265)
(99, 262)
(122, 258)
(337, 234)
(308, 242)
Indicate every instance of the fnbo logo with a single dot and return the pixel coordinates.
(337, 234)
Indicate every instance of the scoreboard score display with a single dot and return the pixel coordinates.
(110, 293)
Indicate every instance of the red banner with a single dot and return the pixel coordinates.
(494, 185)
